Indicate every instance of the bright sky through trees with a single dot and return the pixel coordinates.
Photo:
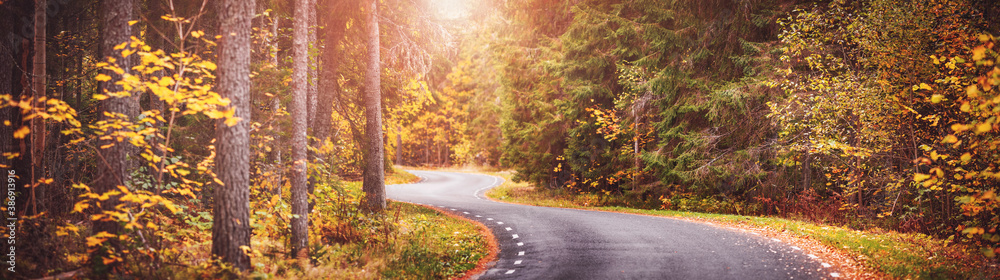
(452, 9)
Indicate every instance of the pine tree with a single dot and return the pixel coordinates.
(231, 223)
(374, 172)
(300, 58)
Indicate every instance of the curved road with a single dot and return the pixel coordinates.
(557, 243)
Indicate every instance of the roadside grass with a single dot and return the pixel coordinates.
(884, 253)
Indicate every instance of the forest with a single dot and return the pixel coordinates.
(183, 139)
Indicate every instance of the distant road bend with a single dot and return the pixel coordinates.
(556, 243)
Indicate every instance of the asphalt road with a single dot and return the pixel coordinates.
(556, 243)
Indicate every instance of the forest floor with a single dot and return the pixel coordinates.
(868, 254)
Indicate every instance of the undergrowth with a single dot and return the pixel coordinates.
(404, 242)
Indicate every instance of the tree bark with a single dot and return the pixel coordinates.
(273, 51)
(231, 224)
(113, 167)
(374, 173)
(38, 89)
(312, 92)
(300, 231)
(313, 66)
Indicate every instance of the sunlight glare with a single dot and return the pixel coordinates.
(452, 9)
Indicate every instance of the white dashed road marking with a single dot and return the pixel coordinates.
(834, 274)
(509, 271)
(508, 229)
(499, 223)
(521, 253)
(517, 262)
(520, 243)
(826, 265)
(515, 236)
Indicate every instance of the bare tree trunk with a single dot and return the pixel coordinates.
(327, 87)
(231, 223)
(313, 66)
(274, 40)
(113, 168)
(300, 230)
(279, 170)
(313, 91)
(374, 173)
(38, 89)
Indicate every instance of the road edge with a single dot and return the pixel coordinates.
(493, 247)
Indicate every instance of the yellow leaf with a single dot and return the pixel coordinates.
(925, 86)
(132, 22)
(21, 132)
(64, 230)
(965, 107)
(93, 241)
(972, 91)
(918, 177)
(148, 58)
(207, 64)
(978, 53)
(102, 78)
(166, 81)
(959, 127)
(171, 207)
(937, 98)
(966, 158)
(232, 121)
(121, 46)
(80, 206)
(983, 127)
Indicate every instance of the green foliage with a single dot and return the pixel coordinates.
(638, 97)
